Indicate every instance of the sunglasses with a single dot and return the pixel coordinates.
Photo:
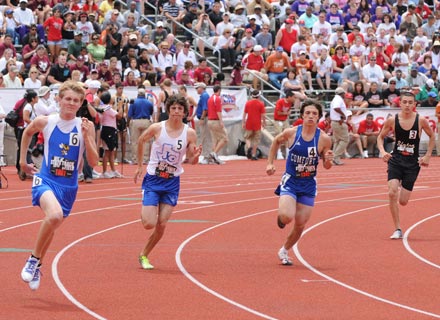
(95, 38)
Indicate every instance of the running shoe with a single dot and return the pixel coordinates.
(145, 263)
(29, 269)
(283, 255)
(365, 154)
(280, 224)
(35, 282)
(397, 234)
(215, 157)
(116, 174)
(107, 175)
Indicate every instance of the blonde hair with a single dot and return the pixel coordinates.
(71, 85)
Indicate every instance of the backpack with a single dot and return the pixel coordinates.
(241, 148)
(14, 115)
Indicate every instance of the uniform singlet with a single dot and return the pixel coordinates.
(407, 141)
(302, 159)
(64, 144)
(167, 153)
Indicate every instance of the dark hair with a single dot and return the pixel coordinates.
(29, 95)
(106, 97)
(311, 102)
(179, 99)
(216, 88)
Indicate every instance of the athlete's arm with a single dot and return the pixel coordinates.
(424, 124)
(35, 126)
(283, 137)
(325, 145)
(387, 127)
(193, 151)
(151, 132)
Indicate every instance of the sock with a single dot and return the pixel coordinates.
(32, 256)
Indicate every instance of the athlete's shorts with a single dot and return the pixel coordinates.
(300, 197)
(157, 190)
(404, 169)
(65, 195)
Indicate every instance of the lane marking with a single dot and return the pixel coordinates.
(408, 247)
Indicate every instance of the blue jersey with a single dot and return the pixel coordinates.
(63, 149)
(301, 165)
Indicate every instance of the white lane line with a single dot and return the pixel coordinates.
(372, 296)
(408, 247)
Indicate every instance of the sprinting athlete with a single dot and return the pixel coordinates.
(297, 189)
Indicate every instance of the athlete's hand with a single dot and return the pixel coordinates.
(424, 161)
(87, 127)
(329, 156)
(138, 174)
(270, 169)
(386, 156)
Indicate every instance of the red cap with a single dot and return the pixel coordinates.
(348, 95)
(249, 30)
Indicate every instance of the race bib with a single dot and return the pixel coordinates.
(165, 170)
(62, 167)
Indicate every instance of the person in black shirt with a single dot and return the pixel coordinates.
(390, 93)
(60, 71)
(374, 97)
(404, 162)
(113, 42)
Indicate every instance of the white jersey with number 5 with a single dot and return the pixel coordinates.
(167, 153)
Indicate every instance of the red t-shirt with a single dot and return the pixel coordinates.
(288, 39)
(214, 106)
(200, 72)
(281, 106)
(53, 26)
(253, 62)
(364, 126)
(254, 108)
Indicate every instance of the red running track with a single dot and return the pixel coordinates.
(218, 258)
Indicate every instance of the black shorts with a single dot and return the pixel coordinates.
(110, 136)
(404, 169)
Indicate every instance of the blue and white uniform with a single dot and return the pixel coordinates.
(161, 184)
(63, 150)
(299, 180)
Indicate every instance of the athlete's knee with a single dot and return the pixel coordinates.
(393, 193)
(403, 202)
(54, 219)
(148, 224)
(285, 216)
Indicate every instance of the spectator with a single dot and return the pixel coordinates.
(276, 66)
(187, 54)
(95, 24)
(415, 77)
(113, 42)
(225, 45)
(374, 96)
(81, 67)
(431, 101)
(10, 25)
(174, 13)
(151, 48)
(323, 68)
(74, 48)
(163, 60)
(308, 17)
(7, 44)
(338, 111)
(201, 112)
(24, 17)
(59, 72)
(160, 108)
(253, 25)
(46, 105)
(238, 18)
(41, 61)
(286, 37)
(32, 82)
(372, 73)
(247, 42)
(368, 131)
(281, 115)
(350, 75)
(322, 27)
(253, 64)
(202, 70)
(353, 137)
(159, 34)
(140, 115)
(68, 30)
(253, 121)
(96, 51)
(28, 52)
(85, 26)
(216, 126)
(188, 19)
(390, 93)
(11, 79)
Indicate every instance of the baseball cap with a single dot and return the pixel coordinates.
(194, 5)
(23, 1)
(93, 71)
(430, 83)
(132, 36)
(43, 90)
(302, 52)
(9, 11)
(200, 85)
(104, 64)
(379, 44)
(238, 7)
(80, 58)
(65, 13)
(432, 94)
(257, 6)
(252, 17)
(348, 95)
(289, 21)
(77, 33)
(280, 49)
(255, 94)
(83, 14)
(249, 30)
(257, 47)
(414, 66)
(339, 90)
(436, 43)
(159, 24)
(94, 84)
(226, 13)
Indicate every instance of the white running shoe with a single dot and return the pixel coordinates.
(365, 154)
(116, 174)
(35, 282)
(397, 234)
(29, 269)
(107, 175)
(283, 255)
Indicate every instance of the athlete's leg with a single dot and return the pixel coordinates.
(286, 209)
(393, 195)
(303, 213)
(151, 218)
(52, 220)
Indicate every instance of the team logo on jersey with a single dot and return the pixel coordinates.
(64, 149)
(168, 154)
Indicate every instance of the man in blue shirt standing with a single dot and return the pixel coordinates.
(204, 137)
(139, 119)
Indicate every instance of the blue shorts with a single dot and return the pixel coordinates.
(65, 195)
(157, 190)
(302, 190)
